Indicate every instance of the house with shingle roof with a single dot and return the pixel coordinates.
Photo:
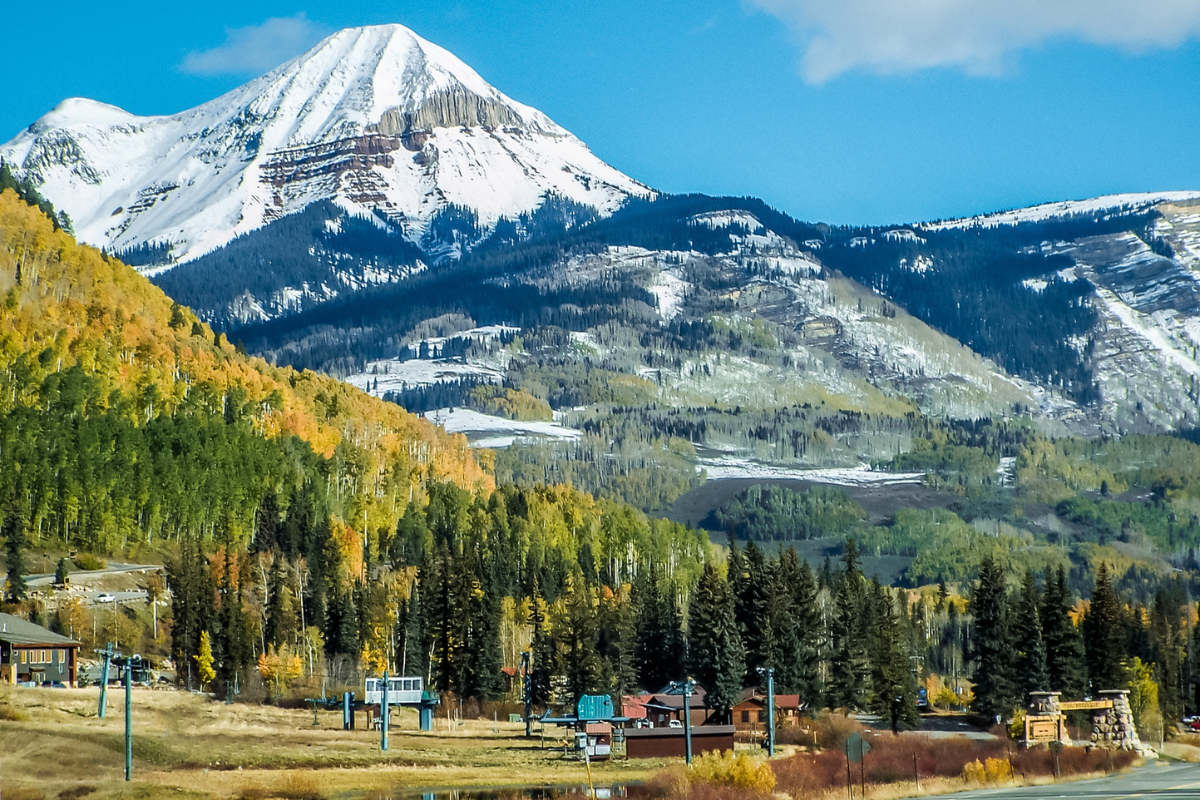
(29, 652)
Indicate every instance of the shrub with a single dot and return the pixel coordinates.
(87, 561)
(997, 770)
(10, 714)
(894, 759)
(727, 769)
(832, 730)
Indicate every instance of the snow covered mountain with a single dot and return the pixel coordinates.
(377, 120)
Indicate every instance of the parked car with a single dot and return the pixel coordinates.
(674, 724)
(105, 597)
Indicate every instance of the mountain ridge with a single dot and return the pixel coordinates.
(377, 119)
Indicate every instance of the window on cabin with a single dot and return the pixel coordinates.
(745, 716)
(762, 716)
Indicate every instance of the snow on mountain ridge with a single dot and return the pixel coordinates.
(376, 119)
(1045, 211)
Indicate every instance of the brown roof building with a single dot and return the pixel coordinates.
(30, 652)
(751, 713)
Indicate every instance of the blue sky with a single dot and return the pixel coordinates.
(850, 111)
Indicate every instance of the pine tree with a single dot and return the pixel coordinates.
(893, 684)
(1102, 636)
(14, 554)
(848, 660)
(410, 635)
(623, 647)
(809, 627)
(274, 630)
(659, 656)
(487, 658)
(1065, 667)
(1167, 650)
(1027, 631)
(265, 537)
(786, 653)
(715, 655)
(62, 572)
(992, 646)
(444, 644)
(577, 633)
(754, 613)
(542, 651)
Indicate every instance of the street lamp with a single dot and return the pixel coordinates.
(770, 673)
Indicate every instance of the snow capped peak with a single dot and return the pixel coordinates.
(80, 112)
(376, 119)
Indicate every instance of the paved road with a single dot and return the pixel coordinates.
(1157, 780)
(92, 598)
(77, 576)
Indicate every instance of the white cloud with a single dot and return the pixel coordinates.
(256, 49)
(899, 36)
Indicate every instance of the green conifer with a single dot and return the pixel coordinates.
(715, 654)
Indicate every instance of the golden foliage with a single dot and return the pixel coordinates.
(741, 770)
(73, 305)
(204, 660)
(279, 667)
(993, 770)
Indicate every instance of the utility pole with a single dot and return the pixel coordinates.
(104, 681)
(527, 686)
(383, 714)
(770, 673)
(686, 688)
(128, 720)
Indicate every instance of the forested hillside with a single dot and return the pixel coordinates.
(124, 418)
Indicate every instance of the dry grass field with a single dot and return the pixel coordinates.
(53, 745)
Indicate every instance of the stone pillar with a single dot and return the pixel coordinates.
(1046, 706)
(1114, 727)
(1044, 703)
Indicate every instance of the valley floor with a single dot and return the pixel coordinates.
(187, 745)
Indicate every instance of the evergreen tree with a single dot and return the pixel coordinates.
(715, 655)
(848, 636)
(542, 651)
(62, 572)
(192, 607)
(441, 597)
(341, 630)
(992, 645)
(1031, 672)
(893, 683)
(659, 653)
(577, 634)
(1167, 650)
(624, 650)
(265, 537)
(1065, 667)
(487, 659)
(274, 630)
(411, 635)
(1102, 635)
(787, 652)
(754, 612)
(14, 553)
(809, 626)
